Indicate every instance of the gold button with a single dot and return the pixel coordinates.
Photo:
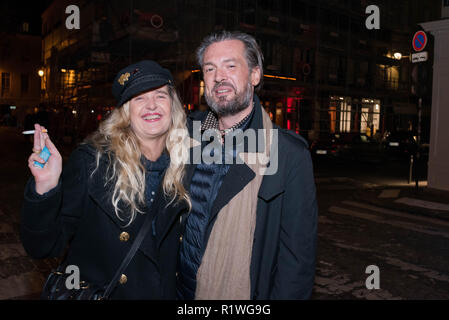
(123, 279)
(124, 236)
(180, 239)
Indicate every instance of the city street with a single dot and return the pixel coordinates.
(410, 251)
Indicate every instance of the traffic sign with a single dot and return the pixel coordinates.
(419, 57)
(419, 41)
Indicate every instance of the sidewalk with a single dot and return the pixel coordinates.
(424, 201)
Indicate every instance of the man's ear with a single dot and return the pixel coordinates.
(255, 76)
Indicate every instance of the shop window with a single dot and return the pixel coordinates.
(25, 27)
(345, 117)
(370, 117)
(364, 120)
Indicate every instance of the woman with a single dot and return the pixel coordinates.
(118, 177)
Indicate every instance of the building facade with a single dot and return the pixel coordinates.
(438, 165)
(20, 82)
(80, 63)
(325, 72)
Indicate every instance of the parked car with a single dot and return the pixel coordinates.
(400, 144)
(326, 146)
(359, 147)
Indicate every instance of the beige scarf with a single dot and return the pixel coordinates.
(224, 273)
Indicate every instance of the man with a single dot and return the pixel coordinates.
(251, 233)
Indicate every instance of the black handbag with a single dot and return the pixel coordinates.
(55, 286)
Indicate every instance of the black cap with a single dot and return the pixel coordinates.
(137, 78)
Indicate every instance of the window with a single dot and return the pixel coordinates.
(25, 27)
(6, 82)
(24, 83)
(446, 3)
(345, 117)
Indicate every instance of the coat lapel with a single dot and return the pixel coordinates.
(238, 176)
(101, 193)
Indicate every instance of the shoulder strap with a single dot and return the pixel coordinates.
(140, 236)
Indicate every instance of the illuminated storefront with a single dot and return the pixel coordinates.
(348, 114)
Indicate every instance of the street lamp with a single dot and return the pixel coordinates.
(40, 73)
(399, 56)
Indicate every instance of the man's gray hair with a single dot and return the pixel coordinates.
(254, 56)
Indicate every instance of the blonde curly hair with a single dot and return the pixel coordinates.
(116, 140)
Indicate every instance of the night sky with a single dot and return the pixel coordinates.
(13, 13)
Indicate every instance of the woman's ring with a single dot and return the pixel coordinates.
(36, 150)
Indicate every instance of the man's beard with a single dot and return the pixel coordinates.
(240, 102)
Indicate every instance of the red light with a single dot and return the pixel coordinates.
(298, 92)
(289, 125)
(289, 105)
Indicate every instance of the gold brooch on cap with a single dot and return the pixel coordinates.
(123, 78)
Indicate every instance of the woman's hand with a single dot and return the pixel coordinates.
(47, 177)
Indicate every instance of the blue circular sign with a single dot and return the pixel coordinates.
(419, 41)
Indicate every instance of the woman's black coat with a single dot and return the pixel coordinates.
(79, 213)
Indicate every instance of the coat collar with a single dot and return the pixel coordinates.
(239, 175)
(101, 190)
(255, 121)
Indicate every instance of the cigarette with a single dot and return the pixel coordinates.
(32, 131)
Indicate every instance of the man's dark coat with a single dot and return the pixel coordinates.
(284, 249)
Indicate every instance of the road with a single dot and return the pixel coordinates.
(411, 252)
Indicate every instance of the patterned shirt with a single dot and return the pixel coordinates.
(211, 122)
